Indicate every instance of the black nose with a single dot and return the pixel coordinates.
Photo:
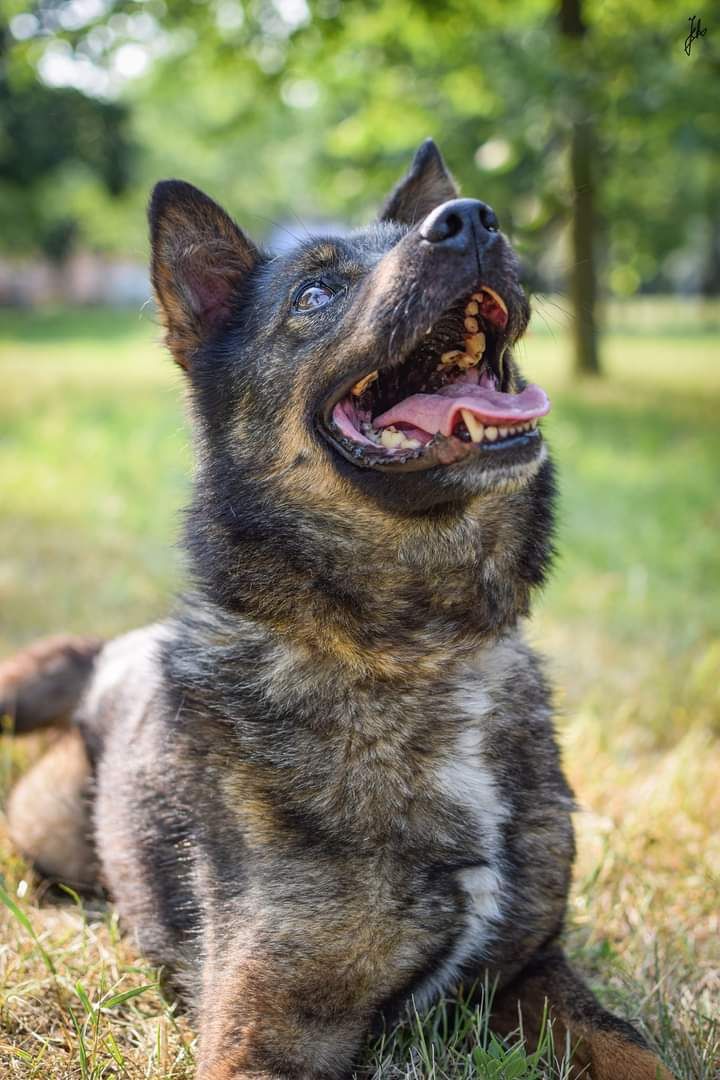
(459, 223)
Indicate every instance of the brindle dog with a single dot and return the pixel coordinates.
(330, 781)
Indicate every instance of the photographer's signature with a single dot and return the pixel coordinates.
(697, 30)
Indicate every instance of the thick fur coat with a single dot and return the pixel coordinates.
(330, 780)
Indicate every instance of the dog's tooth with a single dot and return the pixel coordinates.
(491, 433)
(533, 423)
(472, 308)
(451, 356)
(498, 299)
(503, 432)
(473, 425)
(472, 325)
(391, 439)
(466, 361)
(475, 344)
(410, 444)
(361, 386)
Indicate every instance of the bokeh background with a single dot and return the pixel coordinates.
(596, 137)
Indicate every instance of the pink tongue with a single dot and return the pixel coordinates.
(438, 412)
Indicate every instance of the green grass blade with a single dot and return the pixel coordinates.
(126, 995)
(24, 921)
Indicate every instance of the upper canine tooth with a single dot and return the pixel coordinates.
(475, 344)
(474, 426)
(361, 386)
(498, 299)
(472, 326)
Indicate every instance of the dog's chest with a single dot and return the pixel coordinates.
(428, 811)
(385, 802)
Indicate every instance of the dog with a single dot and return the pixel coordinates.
(329, 783)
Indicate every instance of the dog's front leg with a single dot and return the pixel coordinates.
(269, 1015)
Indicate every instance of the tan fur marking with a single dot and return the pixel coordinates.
(49, 815)
(600, 1051)
(613, 1058)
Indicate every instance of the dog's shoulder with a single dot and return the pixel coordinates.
(125, 685)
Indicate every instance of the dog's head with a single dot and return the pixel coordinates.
(358, 388)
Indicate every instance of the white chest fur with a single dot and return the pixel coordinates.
(466, 779)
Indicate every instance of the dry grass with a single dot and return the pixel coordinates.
(92, 465)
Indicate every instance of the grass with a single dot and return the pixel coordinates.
(94, 461)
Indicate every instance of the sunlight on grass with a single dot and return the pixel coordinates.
(94, 462)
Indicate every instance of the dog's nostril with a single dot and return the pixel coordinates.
(459, 223)
(453, 225)
(489, 219)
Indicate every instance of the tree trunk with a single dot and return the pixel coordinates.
(711, 269)
(583, 278)
(583, 270)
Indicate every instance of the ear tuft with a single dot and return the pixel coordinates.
(199, 260)
(428, 184)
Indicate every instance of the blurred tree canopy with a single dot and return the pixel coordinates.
(585, 123)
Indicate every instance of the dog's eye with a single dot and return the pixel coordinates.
(313, 296)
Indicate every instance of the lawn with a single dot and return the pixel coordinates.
(94, 460)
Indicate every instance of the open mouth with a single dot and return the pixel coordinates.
(448, 400)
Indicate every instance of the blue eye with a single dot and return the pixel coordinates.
(313, 296)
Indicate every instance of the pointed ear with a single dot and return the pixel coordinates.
(427, 185)
(199, 259)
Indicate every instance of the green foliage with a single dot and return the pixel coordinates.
(274, 104)
(50, 136)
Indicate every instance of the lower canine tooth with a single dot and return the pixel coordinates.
(474, 426)
(491, 433)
